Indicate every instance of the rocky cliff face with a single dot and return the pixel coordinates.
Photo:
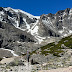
(21, 29)
(58, 24)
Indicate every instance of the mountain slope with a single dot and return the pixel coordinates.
(20, 30)
(57, 47)
(54, 55)
(41, 27)
(47, 38)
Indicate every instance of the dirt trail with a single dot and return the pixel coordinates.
(69, 69)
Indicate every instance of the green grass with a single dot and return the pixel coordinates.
(47, 46)
(55, 49)
(34, 52)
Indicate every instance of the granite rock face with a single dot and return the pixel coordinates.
(58, 24)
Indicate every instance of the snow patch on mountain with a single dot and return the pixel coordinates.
(65, 35)
(70, 12)
(61, 31)
(34, 28)
(10, 51)
(27, 25)
(8, 8)
(70, 31)
(1, 13)
(17, 24)
(40, 39)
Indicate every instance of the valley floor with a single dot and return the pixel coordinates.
(27, 67)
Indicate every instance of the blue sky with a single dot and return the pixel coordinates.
(37, 7)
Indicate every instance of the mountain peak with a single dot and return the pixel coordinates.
(40, 27)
